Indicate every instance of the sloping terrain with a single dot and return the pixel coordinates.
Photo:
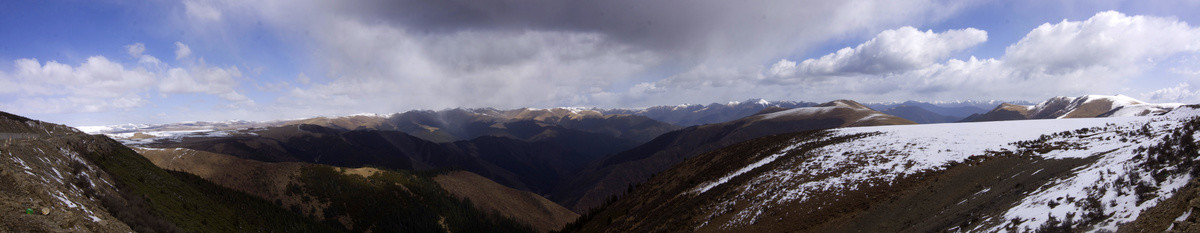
(50, 182)
(1074, 107)
(540, 213)
(613, 174)
(397, 200)
(1003, 112)
(1110, 174)
(75, 182)
(533, 166)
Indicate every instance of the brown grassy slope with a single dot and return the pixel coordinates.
(1091, 109)
(266, 180)
(271, 181)
(544, 215)
(1003, 112)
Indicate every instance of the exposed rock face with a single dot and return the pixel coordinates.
(41, 170)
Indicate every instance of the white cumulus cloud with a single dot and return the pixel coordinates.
(136, 49)
(203, 79)
(897, 50)
(1109, 39)
(182, 50)
(1106, 53)
(1180, 93)
(97, 84)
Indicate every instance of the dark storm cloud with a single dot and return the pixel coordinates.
(682, 28)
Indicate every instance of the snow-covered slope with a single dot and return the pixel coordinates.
(1140, 110)
(1079, 107)
(1092, 174)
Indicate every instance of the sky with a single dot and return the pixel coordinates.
(110, 62)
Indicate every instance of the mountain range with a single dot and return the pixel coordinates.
(1096, 174)
(752, 165)
(1074, 107)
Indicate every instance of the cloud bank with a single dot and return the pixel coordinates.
(388, 56)
(1103, 53)
(99, 84)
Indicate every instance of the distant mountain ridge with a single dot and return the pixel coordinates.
(919, 114)
(1074, 107)
(536, 165)
(414, 121)
(696, 114)
(959, 109)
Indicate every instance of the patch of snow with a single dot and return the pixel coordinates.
(806, 111)
(982, 191)
(705, 187)
(873, 116)
(63, 197)
(1143, 109)
(366, 114)
(59, 175)
(22, 162)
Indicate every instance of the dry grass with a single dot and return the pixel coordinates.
(526, 207)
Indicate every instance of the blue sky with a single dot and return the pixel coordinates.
(113, 62)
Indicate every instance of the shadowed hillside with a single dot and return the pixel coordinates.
(613, 174)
